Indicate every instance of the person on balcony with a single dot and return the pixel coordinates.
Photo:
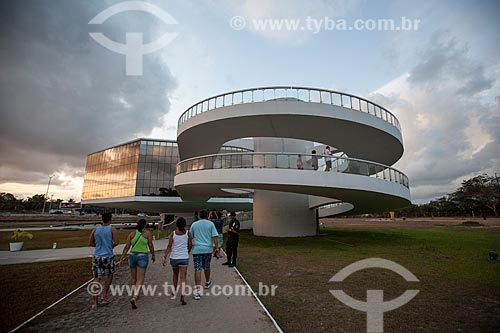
(328, 158)
(300, 164)
(314, 160)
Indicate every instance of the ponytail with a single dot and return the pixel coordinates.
(141, 224)
(181, 224)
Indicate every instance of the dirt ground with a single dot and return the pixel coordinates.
(423, 223)
(458, 286)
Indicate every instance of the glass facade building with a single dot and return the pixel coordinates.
(144, 167)
(138, 168)
(111, 173)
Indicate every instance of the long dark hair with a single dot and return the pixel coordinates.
(141, 224)
(181, 224)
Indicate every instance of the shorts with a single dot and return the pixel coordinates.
(202, 261)
(138, 260)
(102, 266)
(179, 262)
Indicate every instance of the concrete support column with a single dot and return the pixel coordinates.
(280, 214)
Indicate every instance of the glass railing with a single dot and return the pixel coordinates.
(292, 161)
(303, 94)
(332, 205)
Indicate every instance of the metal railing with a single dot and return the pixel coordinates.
(291, 161)
(303, 94)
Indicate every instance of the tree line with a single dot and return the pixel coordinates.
(8, 202)
(476, 197)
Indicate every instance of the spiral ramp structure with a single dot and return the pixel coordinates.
(289, 128)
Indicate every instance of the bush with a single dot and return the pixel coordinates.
(471, 223)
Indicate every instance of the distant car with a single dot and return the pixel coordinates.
(142, 214)
(56, 211)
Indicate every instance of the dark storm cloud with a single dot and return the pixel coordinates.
(62, 95)
(444, 59)
(446, 118)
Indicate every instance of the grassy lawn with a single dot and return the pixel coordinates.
(459, 287)
(28, 288)
(64, 238)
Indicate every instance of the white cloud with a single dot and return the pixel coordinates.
(449, 127)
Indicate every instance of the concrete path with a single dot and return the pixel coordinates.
(22, 257)
(160, 313)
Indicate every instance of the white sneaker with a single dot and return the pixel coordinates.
(208, 284)
(197, 295)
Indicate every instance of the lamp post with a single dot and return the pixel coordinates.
(50, 203)
(46, 194)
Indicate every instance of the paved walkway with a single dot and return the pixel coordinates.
(28, 256)
(162, 314)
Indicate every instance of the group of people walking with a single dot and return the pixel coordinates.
(203, 239)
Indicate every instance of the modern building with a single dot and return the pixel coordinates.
(257, 149)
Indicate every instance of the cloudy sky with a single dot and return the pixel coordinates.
(62, 95)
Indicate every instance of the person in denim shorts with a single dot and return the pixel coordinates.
(205, 239)
(104, 238)
(138, 242)
(179, 246)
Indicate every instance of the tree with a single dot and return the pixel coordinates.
(8, 201)
(479, 194)
(35, 202)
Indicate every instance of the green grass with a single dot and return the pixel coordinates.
(44, 239)
(456, 278)
(459, 254)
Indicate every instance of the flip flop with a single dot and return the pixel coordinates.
(104, 302)
(133, 301)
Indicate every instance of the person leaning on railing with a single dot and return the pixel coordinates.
(300, 164)
(314, 160)
(328, 158)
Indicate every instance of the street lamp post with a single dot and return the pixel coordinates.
(50, 203)
(46, 194)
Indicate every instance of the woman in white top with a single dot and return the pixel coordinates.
(180, 244)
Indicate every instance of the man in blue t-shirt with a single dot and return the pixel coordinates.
(205, 243)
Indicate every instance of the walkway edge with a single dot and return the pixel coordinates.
(260, 303)
(50, 306)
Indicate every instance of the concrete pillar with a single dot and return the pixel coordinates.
(280, 145)
(280, 214)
